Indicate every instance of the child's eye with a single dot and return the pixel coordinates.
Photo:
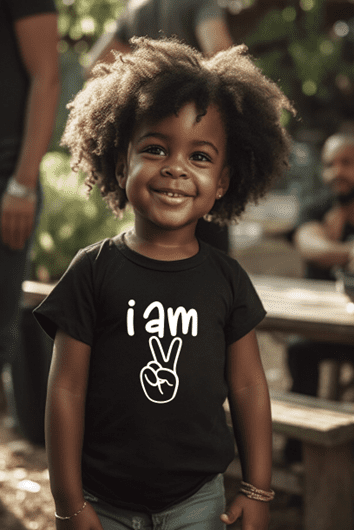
(154, 150)
(201, 157)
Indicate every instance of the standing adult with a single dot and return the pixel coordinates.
(199, 23)
(325, 240)
(29, 91)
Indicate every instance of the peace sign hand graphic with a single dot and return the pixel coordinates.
(159, 378)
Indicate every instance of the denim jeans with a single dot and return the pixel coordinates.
(13, 265)
(201, 511)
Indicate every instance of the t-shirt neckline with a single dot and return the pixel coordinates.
(149, 263)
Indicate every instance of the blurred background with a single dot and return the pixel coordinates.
(307, 47)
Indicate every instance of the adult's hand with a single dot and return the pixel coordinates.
(16, 220)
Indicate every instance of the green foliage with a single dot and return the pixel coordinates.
(310, 62)
(86, 19)
(293, 44)
(70, 220)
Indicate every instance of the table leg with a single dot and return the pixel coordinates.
(328, 487)
(333, 388)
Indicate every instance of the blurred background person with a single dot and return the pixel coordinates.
(199, 23)
(29, 91)
(324, 238)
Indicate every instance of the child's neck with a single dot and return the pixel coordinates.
(170, 246)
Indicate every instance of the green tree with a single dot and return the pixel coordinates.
(311, 54)
(81, 22)
(70, 219)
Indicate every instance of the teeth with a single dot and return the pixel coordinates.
(170, 194)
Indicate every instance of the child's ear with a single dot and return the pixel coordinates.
(121, 170)
(224, 182)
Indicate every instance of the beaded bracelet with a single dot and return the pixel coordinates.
(256, 494)
(70, 516)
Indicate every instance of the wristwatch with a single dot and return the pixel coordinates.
(20, 191)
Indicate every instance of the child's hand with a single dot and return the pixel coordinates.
(255, 514)
(86, 520)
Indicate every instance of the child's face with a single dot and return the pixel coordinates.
(175, 169)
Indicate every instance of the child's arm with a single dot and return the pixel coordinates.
(64, 428)
(251, 416)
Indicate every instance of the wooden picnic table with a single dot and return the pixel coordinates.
(311, 308)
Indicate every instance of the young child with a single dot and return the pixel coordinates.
(154, 329)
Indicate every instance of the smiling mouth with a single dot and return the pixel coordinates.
(172, 194)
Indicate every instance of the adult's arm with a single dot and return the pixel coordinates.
(102, 51)
(64, 430)
(251, 417)
(213, 36)
(316, 246)
(37, 37)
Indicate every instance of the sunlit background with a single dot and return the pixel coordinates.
(307, 47)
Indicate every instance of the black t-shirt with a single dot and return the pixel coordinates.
(14, 78)
(155, 428)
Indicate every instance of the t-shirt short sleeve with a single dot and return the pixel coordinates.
(247, 311)
(24, 8)
(71, 304)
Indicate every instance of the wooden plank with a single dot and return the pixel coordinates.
(307, 304)
(328, 487)
(314, 402)
(304, 300)
(311, 308)
(343, 334)
(321, 426)
(304, 419)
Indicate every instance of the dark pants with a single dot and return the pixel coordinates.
(23, 346)
(13, 266)
(304, 357)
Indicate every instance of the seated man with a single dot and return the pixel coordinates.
(325, 240)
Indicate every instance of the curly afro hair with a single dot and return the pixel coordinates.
(156, 80)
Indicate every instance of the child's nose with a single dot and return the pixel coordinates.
(174, 171)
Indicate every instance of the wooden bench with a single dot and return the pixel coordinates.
(326, 429)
